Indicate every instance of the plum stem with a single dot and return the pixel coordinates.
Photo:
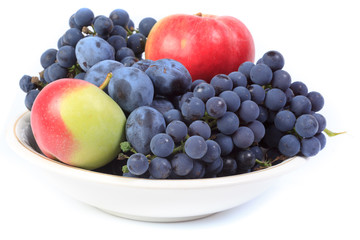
(106, 81)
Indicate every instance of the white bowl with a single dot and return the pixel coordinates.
(146, 199)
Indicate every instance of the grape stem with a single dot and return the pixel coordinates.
(331, 133)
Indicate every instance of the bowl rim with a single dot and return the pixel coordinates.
(76, 172)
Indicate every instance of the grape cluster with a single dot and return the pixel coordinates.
(82, 49)
(237, 123)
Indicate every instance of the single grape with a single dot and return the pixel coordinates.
(306, 125)
(195, 147)
(257, 93)
(232, 100)
(117, 42)
(322, 139)
(181, 164)
(258, 129)
(177, 130)
(243, 137)
(200, 128)
(284, 120)
(300, 105)
(195, 83)
(120, 17)
(245, 68)
(136, 42)
(162, 145)
(171, 115)
(230, 166)
(248, 111)
(225, 142)
(275, 99)
(160, 168)
(281, 79)
(274, 60)
(162, 104)
(261, 74)
(238, 78)
(84, 17)
(221, 82)
(71, 37)
(214, 168)
(123, 53)
(289, 145)
(198, 170)
(103, 25)
(137, 164)
(213, 151)
(146, 25)
(321, 121)
(245, 159)
(228, 123)
(204, 91)
(48, 57)
(25, 83)
(216, 107)
(55, 72)
(317, 101)
(66, 56)
(243, 93)
(310, 146)
(193, 108)
(299, 88)
(30, 98)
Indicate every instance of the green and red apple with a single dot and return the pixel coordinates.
(77, 123)
(205, 44)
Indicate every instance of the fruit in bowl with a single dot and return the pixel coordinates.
(250, 124)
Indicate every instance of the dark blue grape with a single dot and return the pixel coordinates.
(66, 56)
(170, 77)
(103, 25)
(321, 121)
(195, 147)
(238, 78)
(195, 83)
(272, 136)
(130, 88)
(162, 104)
(48, 57)
(214, 168)
(300, 105)
(72, 37)
(120, 17)
(142, 124)
(258, 129)
(162, 145)
(55, 72)
(146, 25)
(228, 123)
(25, 83)
(221, 82)
(243, 137)
(160, 168)
(136, 42)
(137, 164)
(245, 159)
(306, 125)
(198, 170)
(243, 93)
(181, 164)
(263, 114)
(317, 101)
(177, 130)
(261, 74)
(284, 120)
(171, 115)
(310, 146)
(200, 128)
(225, 142)
(289, 95)
(117, 42)
(289, 145)
(213, 151)
(281, 79)
(119, 30)
(258, 152)
(30, 98)
(123, 53)
(257, 93)
(231, 99)
(274, 60)
(230, 166)
(248, 111)
(193, 108)
(275, 99)
(84, 17)
(299, 88)
(72, 23)
(204, 91)
(216, 107)
(322, 139)
(245, 68)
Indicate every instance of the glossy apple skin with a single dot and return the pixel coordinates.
(75, 122)
(205, 44)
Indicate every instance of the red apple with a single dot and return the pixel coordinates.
(205, 44)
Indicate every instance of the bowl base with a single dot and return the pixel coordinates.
(155, 219)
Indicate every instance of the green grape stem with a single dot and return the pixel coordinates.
(331, 133)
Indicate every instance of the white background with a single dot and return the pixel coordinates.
(320, 42)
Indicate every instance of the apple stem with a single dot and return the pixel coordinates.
(106, 81)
